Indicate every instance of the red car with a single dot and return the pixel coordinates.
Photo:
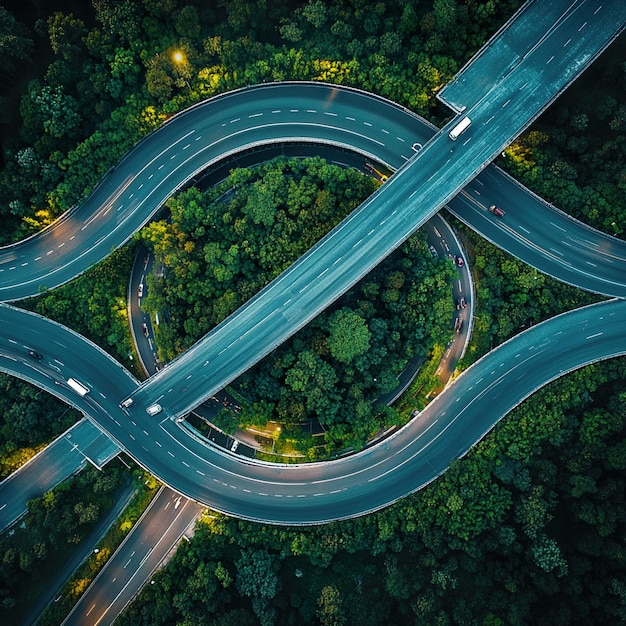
(496, 210)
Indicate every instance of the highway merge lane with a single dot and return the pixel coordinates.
(65, 456)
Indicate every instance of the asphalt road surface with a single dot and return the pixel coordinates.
(415, 455)
(65, 456)
(134, 562)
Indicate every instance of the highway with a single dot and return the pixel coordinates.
(317, 493)
(65, 456)
(413, 194)
(162, 525)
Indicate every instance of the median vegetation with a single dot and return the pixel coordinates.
(220, 248)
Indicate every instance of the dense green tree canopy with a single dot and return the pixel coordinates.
(223, 246)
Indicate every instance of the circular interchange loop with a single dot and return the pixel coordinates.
(318, 493)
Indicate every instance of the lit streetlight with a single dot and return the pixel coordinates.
(275, 436)
(180, 60)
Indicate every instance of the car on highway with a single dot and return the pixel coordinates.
(154, 409)
(235, 445)
(126, 403)
(34, 355)
(459, 261)
(433, 251)
(146, 331)
(496, 210)
(140, 290)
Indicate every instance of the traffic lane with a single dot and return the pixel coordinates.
(503, 52)
(112, 200)
(452, 426)
(500, 390)
(462, 289)
(64, 354)
(57, 461)
(141, 552)
(538, 248)
(556, 232)
(139, 202)
(140, 322)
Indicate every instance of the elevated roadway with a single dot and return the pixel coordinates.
(415, 455)
(81, 444)
(414, 193)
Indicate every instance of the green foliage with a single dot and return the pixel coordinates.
(56, 523)
(29, 418)
(16, 45)
(220, 248)
(529, 527)
(257, 574)
(349, 335)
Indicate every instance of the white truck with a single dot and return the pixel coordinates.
(460, 128)
(78, 387)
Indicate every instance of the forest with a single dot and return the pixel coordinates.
(219, 249)
(528, 528)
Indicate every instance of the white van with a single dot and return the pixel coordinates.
(78, 387)
(153, 409)
(460, 128)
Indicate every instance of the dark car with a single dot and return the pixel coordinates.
(459, 261)
(496, 210)
(34, 355)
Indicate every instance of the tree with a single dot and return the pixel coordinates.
(257, 574)
(15, 43)
(349, 335)
(58, 109)
(329, 607)
(66, 33)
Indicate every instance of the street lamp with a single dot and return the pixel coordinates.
(180, 60)
(275, 436)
